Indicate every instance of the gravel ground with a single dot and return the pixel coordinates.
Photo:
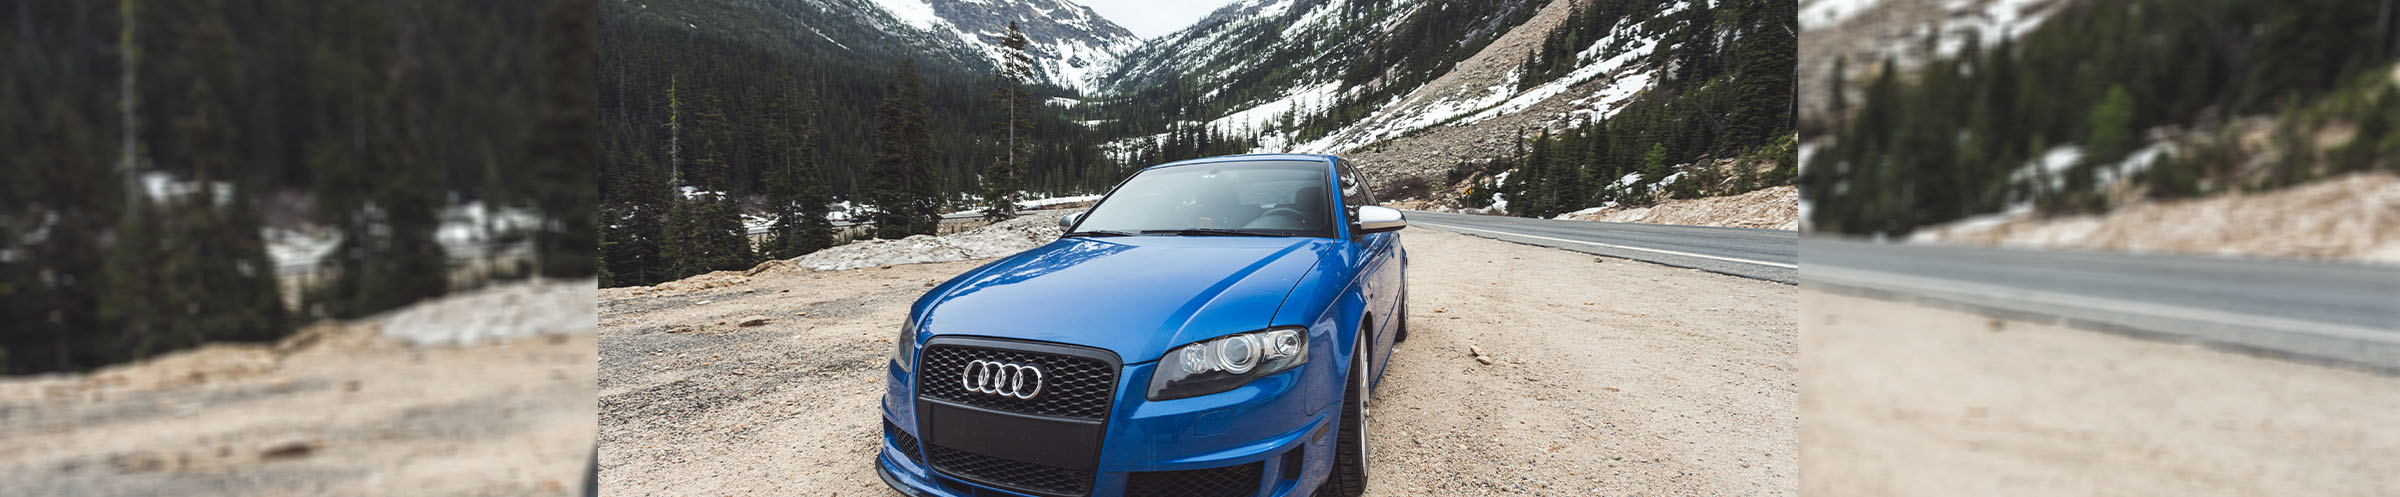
(1905, 399)
(335, 410)
(1611, 377)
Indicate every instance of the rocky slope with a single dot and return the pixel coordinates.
(1418, 137)
(1863, 33)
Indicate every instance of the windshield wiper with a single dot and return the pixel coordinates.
(1095, 233)
(1212, 232)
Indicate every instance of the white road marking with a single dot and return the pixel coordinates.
(1623, 247)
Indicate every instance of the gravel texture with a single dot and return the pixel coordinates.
(1904, 399)
(1608, 377)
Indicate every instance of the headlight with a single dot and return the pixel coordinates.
(904, 348)
(1221, 364)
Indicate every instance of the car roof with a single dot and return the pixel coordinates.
(1251, 158)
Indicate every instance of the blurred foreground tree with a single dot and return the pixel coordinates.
(563, 146)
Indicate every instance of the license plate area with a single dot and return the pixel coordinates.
(1061, 443)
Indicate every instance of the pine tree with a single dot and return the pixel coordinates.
(1696, 51)
(217, 281)
(674, 127)
(2112, 134)
(795, 194)
(77, 196)
(1004, 179)
(1763, 83)
(564, 151)
(906, 195)
(637, 229)
(370, 187)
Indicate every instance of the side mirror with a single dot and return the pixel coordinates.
(1378, 219)
(1069, 221)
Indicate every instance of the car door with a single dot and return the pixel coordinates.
(1379, 274)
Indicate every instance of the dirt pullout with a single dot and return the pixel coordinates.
(1904, 399)
(1775, 208)
(2354, 217)
(338, 409)
(1610, 377)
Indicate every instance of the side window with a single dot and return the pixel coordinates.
(1354, 190)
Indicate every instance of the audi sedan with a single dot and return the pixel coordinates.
(1210, 328)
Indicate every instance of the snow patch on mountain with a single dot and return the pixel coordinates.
(915, 13)
(1832, 12)
(1070, 43)
(1626, 78)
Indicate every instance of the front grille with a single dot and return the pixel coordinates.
(1012, 475)
(1072, 387)
(1229, 481)
(907, 442)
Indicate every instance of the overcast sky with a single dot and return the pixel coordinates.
(1152, 18)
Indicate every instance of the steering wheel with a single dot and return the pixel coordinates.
(1295, 214)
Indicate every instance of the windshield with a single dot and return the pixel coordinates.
(1285, 198)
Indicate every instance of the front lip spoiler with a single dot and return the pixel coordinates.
(884, 471)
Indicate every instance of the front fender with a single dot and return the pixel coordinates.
(1329, 302)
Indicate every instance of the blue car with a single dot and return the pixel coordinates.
(1211, 328)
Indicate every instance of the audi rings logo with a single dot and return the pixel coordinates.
(1002, 379)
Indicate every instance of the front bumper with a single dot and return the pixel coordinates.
(1270, 434)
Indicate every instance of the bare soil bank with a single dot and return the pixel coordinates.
(2354, 218)
(1610, 377)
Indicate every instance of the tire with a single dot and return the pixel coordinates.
(1400, 333)
(1349, 478)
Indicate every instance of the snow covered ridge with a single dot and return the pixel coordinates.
(1611, 72)
(1071, 45)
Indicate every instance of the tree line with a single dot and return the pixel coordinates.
(720, 145)
(376, 115)
(1960, 135)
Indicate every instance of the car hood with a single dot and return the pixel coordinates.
(1135, 296)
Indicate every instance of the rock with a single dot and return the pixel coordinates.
(1475, 349)
(1486, 360)
(288, 449)
(753, 321)
(767, 266)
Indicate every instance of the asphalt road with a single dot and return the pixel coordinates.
(2338, 312)
(1772, 255)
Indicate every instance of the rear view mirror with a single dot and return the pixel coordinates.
(1378, 219)
(1069, 221)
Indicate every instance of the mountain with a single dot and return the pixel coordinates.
(1069, 42)
(1420, 89)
